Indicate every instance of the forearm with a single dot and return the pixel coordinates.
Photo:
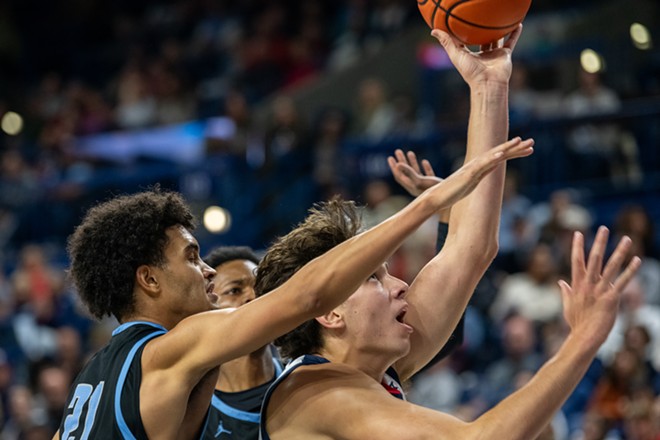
(475, 220)
(524, 414)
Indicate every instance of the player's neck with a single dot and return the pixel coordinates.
(148, 317)
(373, 366)
(246, 372)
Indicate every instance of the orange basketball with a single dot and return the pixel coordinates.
(474, 21)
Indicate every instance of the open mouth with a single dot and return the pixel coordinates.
(209, 292)
(400, 318)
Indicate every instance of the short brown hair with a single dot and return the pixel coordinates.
(327, 225)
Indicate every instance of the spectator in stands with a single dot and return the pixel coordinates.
(374, 114)
(34, 280)
(516, 234)
(523, 98)
(19, 186)
(599, 150)
(635, 221)
(633, 311)
(52, 389)
(136, 104)
(329, 133)
(6, 378)
(626, 374)
(533, 293)
(520, 356)
(22, 412)
(554, 222)
(594, 427)
(174, 103)
(286, 138)
(438, 388)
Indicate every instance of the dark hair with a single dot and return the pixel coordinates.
(327, 225)
(114, 239)
(223, 254)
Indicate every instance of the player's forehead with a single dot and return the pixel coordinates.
(239, 270)
(179, 240)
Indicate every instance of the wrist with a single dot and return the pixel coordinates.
(490, 88)
(582, 344)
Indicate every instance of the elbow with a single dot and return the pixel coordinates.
(491, 251)
(483, 256)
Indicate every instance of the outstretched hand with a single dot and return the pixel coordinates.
(591, 301)
(465, 179)
(408, 173)
(491, 64)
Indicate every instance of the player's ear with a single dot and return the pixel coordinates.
(146, 278)
(331, 320)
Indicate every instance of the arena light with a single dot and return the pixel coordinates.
(591, 61)
(640, 36)
(11, 123)
(217, 220)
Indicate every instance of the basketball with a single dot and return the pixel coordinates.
(474, 21)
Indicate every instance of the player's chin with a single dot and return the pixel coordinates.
(403, 349)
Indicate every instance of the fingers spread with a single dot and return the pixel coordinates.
(428, 169)
(595, 262)
(412, 160)
(627, 274)
(614, 264)
(577, 256)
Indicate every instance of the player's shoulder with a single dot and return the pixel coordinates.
(331, 379)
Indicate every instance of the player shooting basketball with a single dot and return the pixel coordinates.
(350, 361)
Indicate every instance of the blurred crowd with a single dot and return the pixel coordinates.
(162, 62)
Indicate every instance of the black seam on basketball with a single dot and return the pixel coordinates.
(448, 13)
(435, 11)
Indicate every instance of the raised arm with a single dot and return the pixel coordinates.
(441, 291)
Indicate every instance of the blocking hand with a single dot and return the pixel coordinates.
(407, 172)
(591, 301)
(465, 179)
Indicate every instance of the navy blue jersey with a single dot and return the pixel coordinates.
(390, 382)
(104, 402)
(236, 415)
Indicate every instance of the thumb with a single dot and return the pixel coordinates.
(441, 36)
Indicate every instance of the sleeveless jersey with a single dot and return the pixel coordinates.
(226, 421)
(390, 382)
(104, 400)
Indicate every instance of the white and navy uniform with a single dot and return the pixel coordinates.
(390, 382)
(104, 402)
(236, 415)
